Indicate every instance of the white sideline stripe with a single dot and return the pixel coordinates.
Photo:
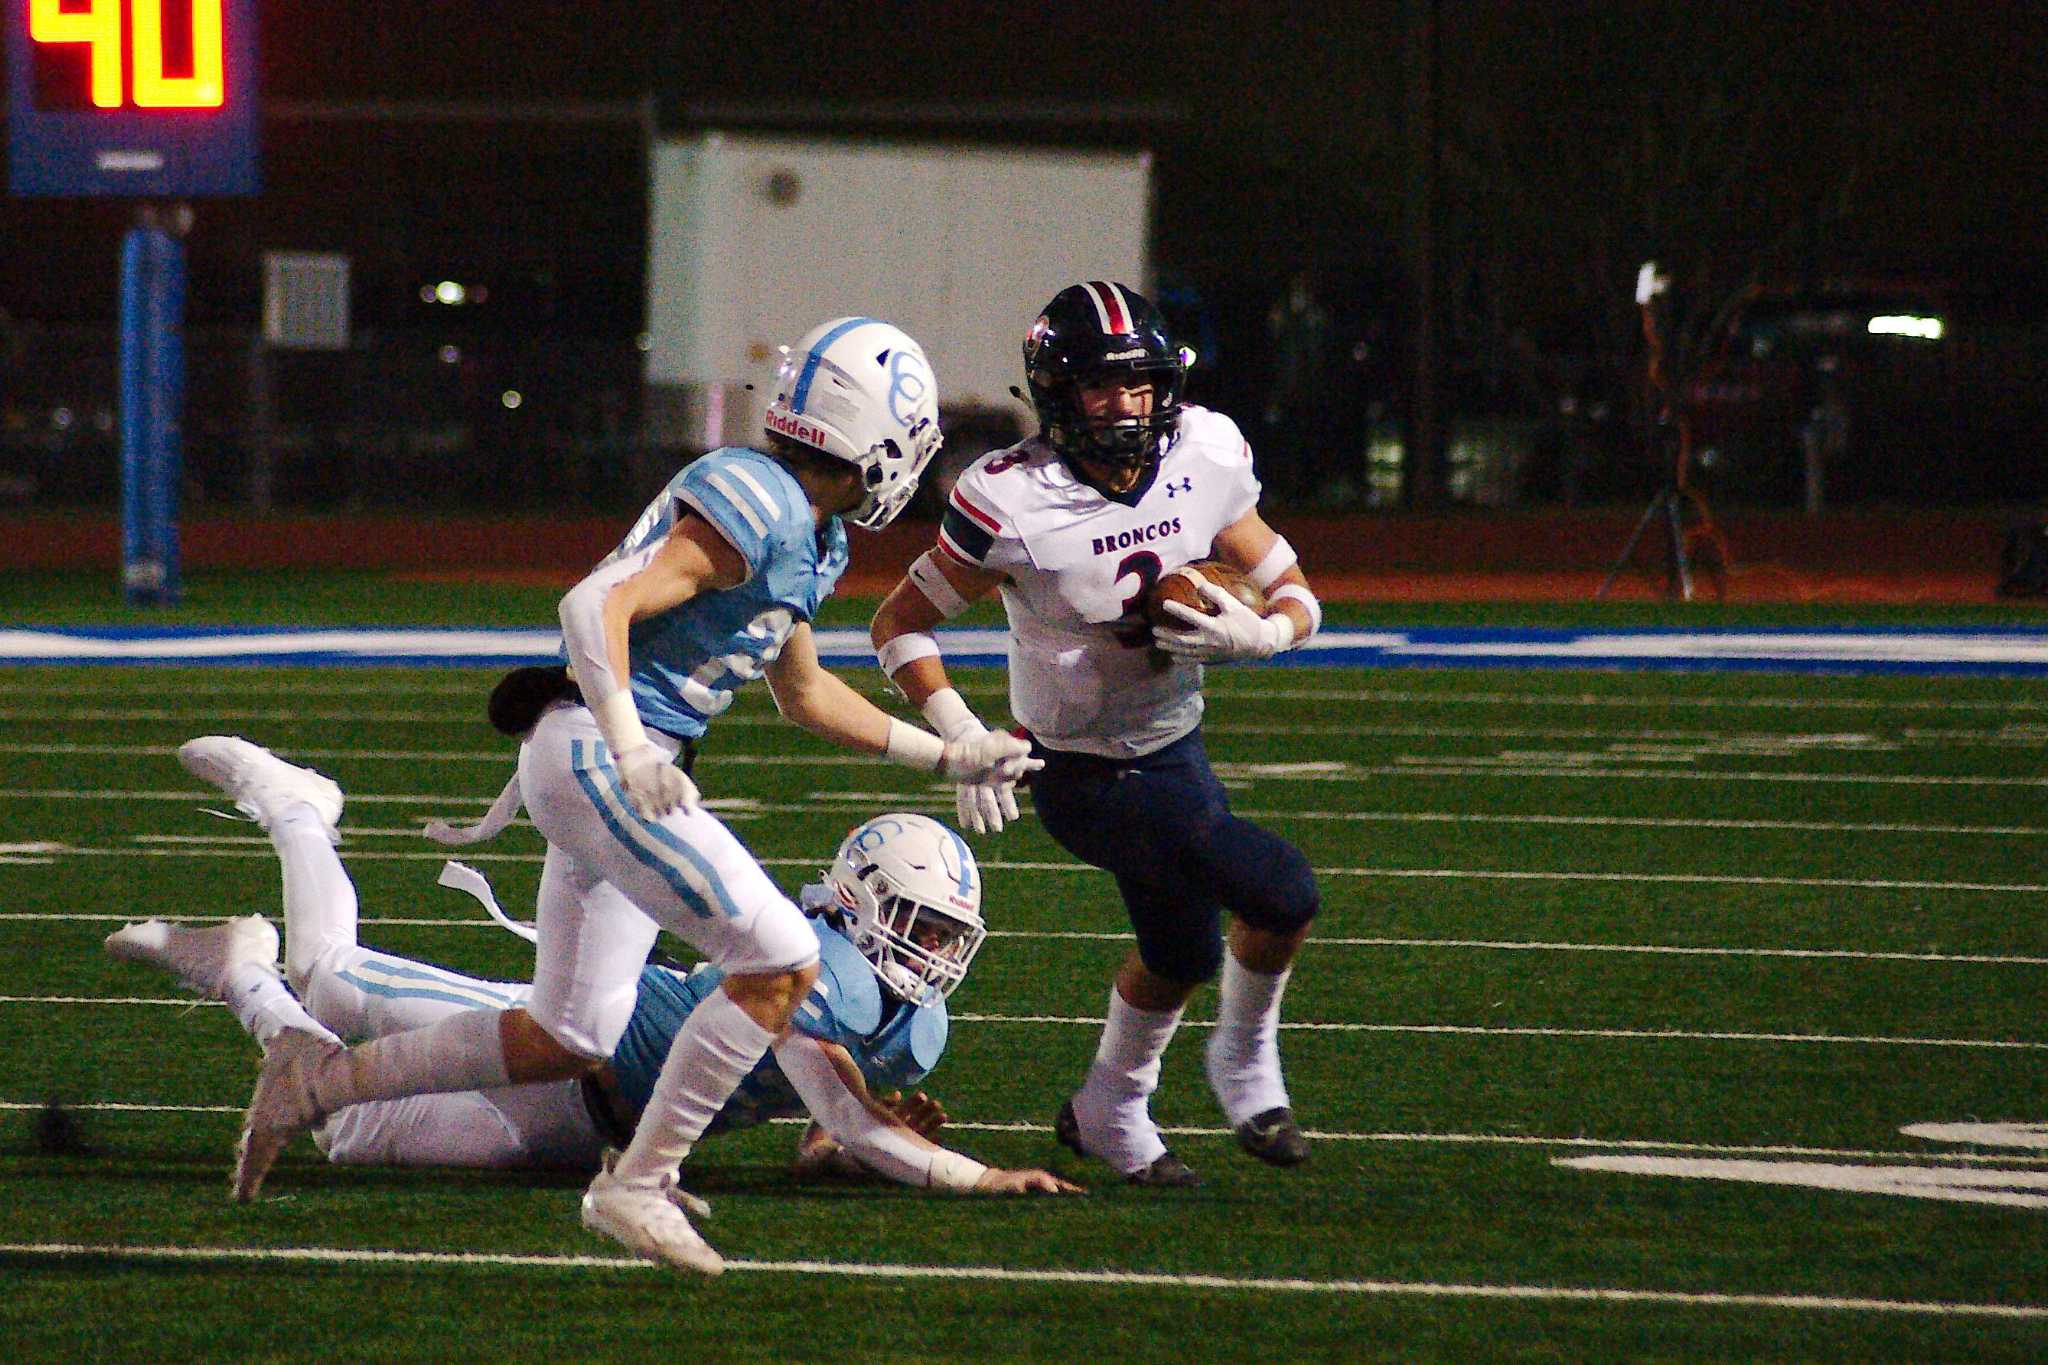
(1118, 1279)
(2003, 1158)
(1301, 1026)
(1471, 944)
(1392, 873)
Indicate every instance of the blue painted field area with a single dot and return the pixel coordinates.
(1954, 650)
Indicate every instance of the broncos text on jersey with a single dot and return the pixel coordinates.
(1077, 563)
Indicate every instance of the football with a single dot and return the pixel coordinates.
(1180, 585)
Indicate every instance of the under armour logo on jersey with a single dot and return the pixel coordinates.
(1186, 485)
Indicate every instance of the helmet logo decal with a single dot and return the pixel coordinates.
(1035, 338)
(908, 385)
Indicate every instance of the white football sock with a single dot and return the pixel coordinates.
(1243, 1055)
(462, 1052)
(718, 1045)
(319, 898)
(1112, 1104)
(264, 1005)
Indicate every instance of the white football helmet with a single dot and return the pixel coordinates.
(863, 391)
(912, 898)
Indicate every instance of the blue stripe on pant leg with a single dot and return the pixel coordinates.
(651, 844)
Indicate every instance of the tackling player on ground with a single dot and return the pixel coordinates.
(715, 585)
(897, 920)
(1073, 527)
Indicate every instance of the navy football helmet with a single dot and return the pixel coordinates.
(1095, 333)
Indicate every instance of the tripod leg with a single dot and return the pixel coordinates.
(1628, 550)
(1678, 573)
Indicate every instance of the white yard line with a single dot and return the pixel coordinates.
(1112, 1279)
(208, 850)
(1081, 935)
(2006, 1158)
(1297, 1026)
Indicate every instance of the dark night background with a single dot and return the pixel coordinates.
(1786, 143)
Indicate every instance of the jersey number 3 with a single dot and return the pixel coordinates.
(1132, 630)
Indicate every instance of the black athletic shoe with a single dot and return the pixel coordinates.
(1273, 1137)
(1167, 1171)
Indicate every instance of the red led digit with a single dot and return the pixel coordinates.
(155, 90)
(98, 25)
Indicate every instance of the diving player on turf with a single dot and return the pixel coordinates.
(1122, 483)
(896, 918)
(715, 585)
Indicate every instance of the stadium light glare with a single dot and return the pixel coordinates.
(450, 292)
(1906, 325)
(512, 398)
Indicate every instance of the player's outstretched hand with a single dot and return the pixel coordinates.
(654, 786)
(1234, 632)
(984, 807)
(999, 1181)
(993, 756)
(918, 1112)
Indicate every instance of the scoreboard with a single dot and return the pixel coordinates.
(149, 98)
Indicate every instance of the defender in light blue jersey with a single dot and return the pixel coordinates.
(896, 920)
(716, 585)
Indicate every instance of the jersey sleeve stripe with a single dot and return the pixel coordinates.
(739, 503)
(966, 541)
(959, 501)
(762, 496)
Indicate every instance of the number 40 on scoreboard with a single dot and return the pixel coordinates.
(131, 97)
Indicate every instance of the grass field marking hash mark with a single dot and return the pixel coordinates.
(1105, 1278)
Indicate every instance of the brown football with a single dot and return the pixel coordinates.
(1178, 585)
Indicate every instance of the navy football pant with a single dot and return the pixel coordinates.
(1161, 825)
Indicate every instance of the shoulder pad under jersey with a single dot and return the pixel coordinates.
(845, 1005)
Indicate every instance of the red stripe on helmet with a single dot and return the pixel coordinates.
(1109, 302)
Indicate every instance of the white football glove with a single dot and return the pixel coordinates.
(654, 786)
(991, 757)
(983, 807)
(1235, 632)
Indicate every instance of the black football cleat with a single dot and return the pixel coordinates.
(1274, 1137)
(1167, 1171)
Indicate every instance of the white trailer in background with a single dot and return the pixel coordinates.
(755, 238)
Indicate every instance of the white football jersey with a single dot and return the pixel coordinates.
(1076, 563)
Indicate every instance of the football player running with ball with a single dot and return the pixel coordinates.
(715, 585)
(1125, 482)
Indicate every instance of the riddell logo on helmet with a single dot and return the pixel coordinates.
(795, 428)
(1138, 354)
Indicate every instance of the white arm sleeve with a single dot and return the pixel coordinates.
(582, 616)
(883, 1147)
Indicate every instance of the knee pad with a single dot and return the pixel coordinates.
(591, 1026)
(1273, 887)
(1188, 958)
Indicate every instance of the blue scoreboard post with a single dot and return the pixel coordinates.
(151, 99)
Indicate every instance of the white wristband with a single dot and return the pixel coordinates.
(902, 649)
(926, 576)
(1295, 592)
(952, 1171)
(914, 748)
(618, 720)
(1278, 561)
(948, 713)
